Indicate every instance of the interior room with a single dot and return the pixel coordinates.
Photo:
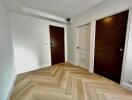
(65, 49)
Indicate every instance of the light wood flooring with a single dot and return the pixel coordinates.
(66, 82)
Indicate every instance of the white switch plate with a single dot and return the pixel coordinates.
(130, 81)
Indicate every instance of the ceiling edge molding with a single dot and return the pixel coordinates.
(42, 14)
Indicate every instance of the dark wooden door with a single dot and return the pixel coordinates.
(57, 44)
(109, 45)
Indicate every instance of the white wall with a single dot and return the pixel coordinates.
(7, 71)
(31, 42)
(105, 8)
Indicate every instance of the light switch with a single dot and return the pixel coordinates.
(130, 81)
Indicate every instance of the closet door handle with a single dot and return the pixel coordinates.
(121, 50)
(78, 48)
(52, 45)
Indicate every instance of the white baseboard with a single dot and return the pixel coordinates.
(14, 80)
(11, 89)
(34, 68)
(45, 65)
(127, 86)
(27, 70)
(71, 62)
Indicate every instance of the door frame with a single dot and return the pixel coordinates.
(126, 40)
(93, 35)
(92, 44)
(77, 42)
(65, 39)
(123, 54)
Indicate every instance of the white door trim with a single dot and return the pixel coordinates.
(77, 42)
(126, 45)
(65, 38)
(126, 41)
(93, 35)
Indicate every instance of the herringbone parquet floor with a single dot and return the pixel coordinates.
(66, 82)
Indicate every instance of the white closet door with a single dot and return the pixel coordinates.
(83, 49)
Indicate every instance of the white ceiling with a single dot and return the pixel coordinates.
(62, 8)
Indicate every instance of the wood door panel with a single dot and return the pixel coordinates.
(110, 37)
(57, 44)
